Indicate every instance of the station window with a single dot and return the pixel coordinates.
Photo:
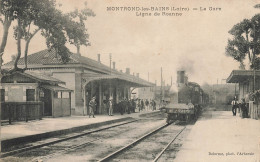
(65, 95)
(41, 93)
(2, 91)
(30, 94)
(57, 95)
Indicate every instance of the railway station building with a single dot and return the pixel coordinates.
(85, 77)
(249, 89)
(28, 96)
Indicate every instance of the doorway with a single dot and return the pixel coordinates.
(46, 98)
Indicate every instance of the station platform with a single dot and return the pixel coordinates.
(218, 136)
(49, 127)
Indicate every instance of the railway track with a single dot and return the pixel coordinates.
(160, 154)
(72, 145)
(126, 148)
(84, 144)
(65, 138)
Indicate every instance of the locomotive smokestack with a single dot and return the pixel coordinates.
(181, 77)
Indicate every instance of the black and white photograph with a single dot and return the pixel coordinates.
(130, 80)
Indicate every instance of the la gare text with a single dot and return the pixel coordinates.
(162, 9)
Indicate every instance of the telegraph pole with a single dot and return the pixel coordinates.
(254, 60)
(110, 60)
(1, 75)
(161, 85)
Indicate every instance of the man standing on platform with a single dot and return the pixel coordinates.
(244, 109)
(110, 107)
(92, 106)
(146, 104)
(234, 107)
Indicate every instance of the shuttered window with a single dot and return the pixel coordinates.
(30, 94)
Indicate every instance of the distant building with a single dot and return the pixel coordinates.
(223, 93)
(162, 92)
(155, 92)
(146, 93)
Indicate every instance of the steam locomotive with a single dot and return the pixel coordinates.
(186, 100)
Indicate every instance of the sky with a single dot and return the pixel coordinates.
(194, 41)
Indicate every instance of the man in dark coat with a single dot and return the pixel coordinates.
(146, 104)
(129, 106)
(133, 105)
(123, 106)
(244, 109)
(92, 106)
(154, 105)
(142, 105)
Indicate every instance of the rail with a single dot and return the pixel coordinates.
(110, 156)
(160, 154)
(62, 139)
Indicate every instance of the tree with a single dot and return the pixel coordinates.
(44, 16)
(257, 6)
(76, 28)
(7, 12)
(33, 16)
(245, 41)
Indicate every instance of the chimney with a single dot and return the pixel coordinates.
(114, 65)
(137, 75)
(78, 50)
(181, 77)
(98, 57)
(127, 70)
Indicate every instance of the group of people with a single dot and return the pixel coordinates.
(130, 106)
(93, 105)
(146, 104)
(239, 106)
(124, 106)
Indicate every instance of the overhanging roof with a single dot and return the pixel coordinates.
(43, 77)
(137, 82)
(56, 88)
(37, 76)
(238, 76)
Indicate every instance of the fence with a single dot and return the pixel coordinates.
(21, 111)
